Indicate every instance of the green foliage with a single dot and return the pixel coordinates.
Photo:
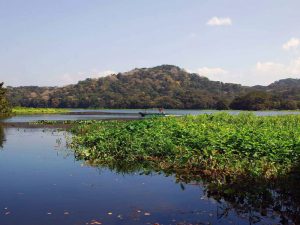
(163, 86)
(25, 110)
(257, 100)
(260, 100)
(216, 145)
(4, 105)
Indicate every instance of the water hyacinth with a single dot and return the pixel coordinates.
(218, 145)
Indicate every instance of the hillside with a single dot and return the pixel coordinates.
(162, 86)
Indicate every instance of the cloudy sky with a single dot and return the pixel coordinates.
(59, 42)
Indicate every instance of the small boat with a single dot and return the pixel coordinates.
(144, 114)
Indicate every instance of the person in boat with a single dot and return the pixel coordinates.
(161, 110)
(161, 113)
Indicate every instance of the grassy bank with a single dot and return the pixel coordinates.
(220, 145)
(25, 110)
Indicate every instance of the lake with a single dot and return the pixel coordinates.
(126, 114)
(42, 182)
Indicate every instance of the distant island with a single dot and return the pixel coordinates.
(164, 86)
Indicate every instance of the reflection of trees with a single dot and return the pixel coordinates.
(256, 201)
(2, 137)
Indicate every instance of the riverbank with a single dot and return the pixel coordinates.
(25, 110)
(220, 146)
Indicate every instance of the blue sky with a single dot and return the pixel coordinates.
(59, 42)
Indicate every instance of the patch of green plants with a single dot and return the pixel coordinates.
(71, 122)
(220, 146)
(26, 110)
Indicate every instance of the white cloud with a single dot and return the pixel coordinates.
(268, 72)
(293, 43)
(105, 73)
(70, 78)
(216, 74)
(262, 73)
(272, 68)
(206, 71)
(219, 21)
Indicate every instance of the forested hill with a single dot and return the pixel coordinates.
(162, 86)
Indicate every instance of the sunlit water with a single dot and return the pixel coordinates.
(42, 183)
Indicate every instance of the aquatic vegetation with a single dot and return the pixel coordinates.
(25, 110)
(256, 201)
(222, 146)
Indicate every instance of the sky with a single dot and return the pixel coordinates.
(58, 42)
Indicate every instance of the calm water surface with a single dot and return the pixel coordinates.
(128, 114)
(42, 183)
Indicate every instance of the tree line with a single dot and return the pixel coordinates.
(162, 86)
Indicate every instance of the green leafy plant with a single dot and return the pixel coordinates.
(219, 145)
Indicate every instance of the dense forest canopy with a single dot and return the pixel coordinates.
(162, 86)
(4, 105)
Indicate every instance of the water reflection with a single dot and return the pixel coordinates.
(2, 136)
(37, 169)
(255, 201)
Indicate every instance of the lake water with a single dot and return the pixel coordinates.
(127, 114)
(188, 111)
(43, 183)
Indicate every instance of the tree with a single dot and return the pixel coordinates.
(288, 105)
(5, 108)
(255, 100)
(222, 105)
